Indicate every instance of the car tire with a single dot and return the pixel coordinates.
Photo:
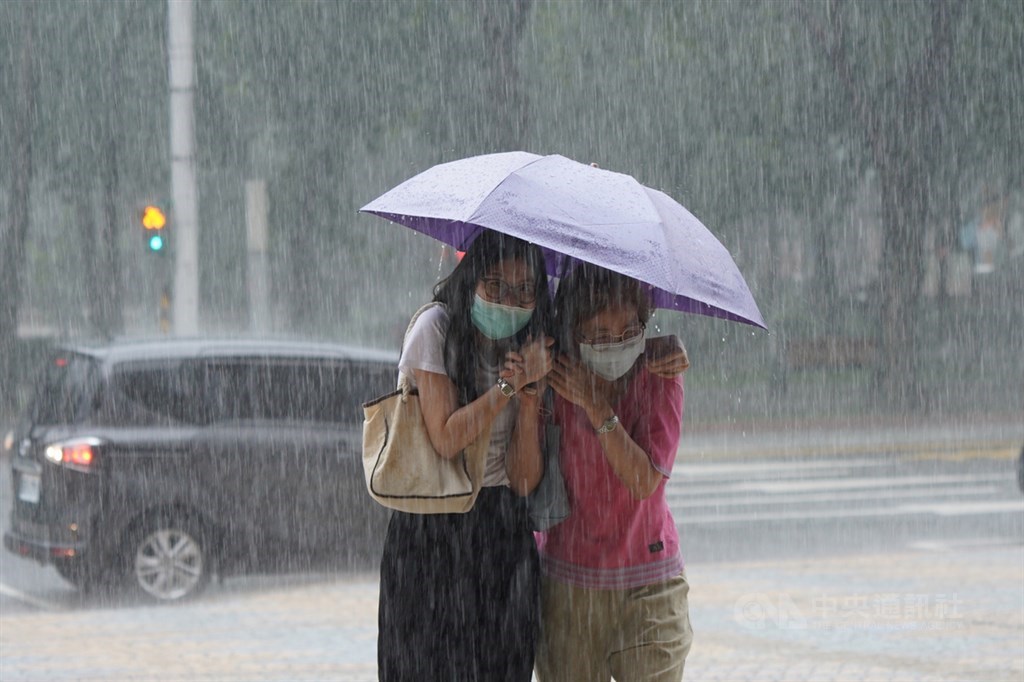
(168, 558)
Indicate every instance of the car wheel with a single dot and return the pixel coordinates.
(168, 559)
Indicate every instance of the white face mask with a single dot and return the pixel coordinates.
(612, 360)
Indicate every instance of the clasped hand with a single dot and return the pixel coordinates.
(530, 363)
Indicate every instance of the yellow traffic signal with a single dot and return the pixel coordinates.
(153, 218)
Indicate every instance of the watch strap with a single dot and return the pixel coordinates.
(609, 424)
(506, 388)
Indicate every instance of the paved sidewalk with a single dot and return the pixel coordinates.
(936, 616)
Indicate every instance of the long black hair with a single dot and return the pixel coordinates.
(457, 292)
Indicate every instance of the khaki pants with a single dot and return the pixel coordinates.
(639, 634)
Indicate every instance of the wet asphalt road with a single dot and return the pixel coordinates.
(854, 504)
(732, 509)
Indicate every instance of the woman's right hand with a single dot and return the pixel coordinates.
(531, 363)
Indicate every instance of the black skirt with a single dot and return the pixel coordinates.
(459, 594)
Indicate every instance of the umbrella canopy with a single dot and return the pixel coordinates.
(576, 211)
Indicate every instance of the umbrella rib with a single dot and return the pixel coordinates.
(470, 219)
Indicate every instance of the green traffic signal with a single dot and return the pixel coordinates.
(156, 243)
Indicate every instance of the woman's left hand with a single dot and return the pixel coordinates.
(666, 357)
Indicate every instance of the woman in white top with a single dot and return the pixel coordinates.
(459, 593)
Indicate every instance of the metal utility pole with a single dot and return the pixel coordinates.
(181, 67)
(256, 208)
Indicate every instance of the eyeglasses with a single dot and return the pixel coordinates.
(605, 339)
(500, 290)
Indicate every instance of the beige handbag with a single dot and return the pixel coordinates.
(403, 470)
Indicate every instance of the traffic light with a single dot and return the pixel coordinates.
(153, 223)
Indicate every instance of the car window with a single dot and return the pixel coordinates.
(367, 381)
(65, 389)
(328, 392)
(151, 394)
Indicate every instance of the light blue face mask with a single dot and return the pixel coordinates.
(496, 321)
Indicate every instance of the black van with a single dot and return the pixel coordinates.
(157, 464)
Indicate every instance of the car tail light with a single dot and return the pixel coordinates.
(81, 454)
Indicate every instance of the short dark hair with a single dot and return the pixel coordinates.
(590, 289)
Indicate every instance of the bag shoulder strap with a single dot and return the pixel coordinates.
(552, 432)
(403, 380)
(549, 402)
(416, 315)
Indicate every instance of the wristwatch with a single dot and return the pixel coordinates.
(609, 424)
(507, 389)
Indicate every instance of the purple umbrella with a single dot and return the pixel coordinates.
(576, 211)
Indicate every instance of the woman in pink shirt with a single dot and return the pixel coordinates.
(614, 592)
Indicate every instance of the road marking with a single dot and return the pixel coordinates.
(950, 546)
(9, 591)
(680, 498)
(822, 484)
(968, 454)
(964, 508)
(951, 509)
(957, 451)
(688, 471)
